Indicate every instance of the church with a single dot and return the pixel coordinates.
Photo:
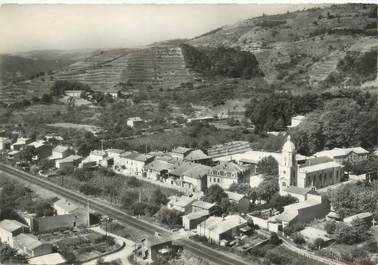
(312, 173)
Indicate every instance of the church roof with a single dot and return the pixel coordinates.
(318, 167)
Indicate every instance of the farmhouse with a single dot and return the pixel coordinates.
(210, 208)
(182, 204)
(73, 93)
(180, 152)
(133, 163)
(134, 122)
(158, 169)
(155, 247)
(240, 200)
(191, 220)
(198, 156)
(20, 143)
(42, 149)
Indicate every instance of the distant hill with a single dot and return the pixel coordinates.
(309, 50)
(298, 51)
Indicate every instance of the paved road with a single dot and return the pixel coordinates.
(198, 249)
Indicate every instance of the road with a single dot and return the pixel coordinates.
(196, 248)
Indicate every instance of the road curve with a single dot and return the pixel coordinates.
(198, 249)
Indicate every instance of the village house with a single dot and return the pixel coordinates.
(315, 206)
(73, 93)
(133, 163)
(20, 143)
(64, 206)
(51, 259)
(29, 245)
(221, 230)
(68, 162)
(296, 120)
(198, 156)
(240, 200)
(191, 220)
(114, 155)
(61, 151)
(195, 178)
(53, 137)
(134, 122)
(9, 229)
(156, 246)
(41, 148)
(179, 153)
(5, 143)
(158, 169)
(227, 173)
(208, 207)
(94, 159)
(182, 203)
(343, 155)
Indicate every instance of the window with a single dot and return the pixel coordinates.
(218, 180)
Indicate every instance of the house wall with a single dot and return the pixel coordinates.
(310, 213)
(321, 178)
(7, 237)
(193, 223)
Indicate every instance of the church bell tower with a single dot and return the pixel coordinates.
(287, 166)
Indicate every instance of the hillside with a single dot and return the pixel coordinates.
(309, 50)
(298, 51)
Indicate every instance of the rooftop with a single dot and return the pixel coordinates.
(159, 165)
(60, 148)
(196, 155)
(70, 158)
(51, 259)
(318, 167)
(221, 225)
(28, 240)
(66, 205)
(340, 152)
(357, 216)
(203, 204)
(181, 201)
(114, 150)
(181, 150)
(196, 215)
(11, 225)
(197, 171)
(37, 144)
(230, 167)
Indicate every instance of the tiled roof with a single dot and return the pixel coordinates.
(203, 204)
(11, 225)
(319, 167)
(159, 165)
(230, 167)
(338, 152)
(60, 148)
(196, 215)
(51, 259)
(196, 155)
(70, 158)
(181, 201)
(197, 171)
(181, 150)
(221, 225)
(66, 205)
(28, 240)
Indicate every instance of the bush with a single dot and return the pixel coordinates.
(274, 239)
(330, 227)
(319, 243)
(133, 182)
(298, 239)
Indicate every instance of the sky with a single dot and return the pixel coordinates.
(65, 27)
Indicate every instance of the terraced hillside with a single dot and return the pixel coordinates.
(158, 67)
(297, 51)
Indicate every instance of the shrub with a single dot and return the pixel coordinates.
(274, 239)
(319, 243)
(330, 227)
(133, 182)
(298, 239)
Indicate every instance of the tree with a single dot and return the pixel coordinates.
(274, 239)
(215, 193)
(267, 188)
(330, 227)
(129, 198)
(278, 202)
(158, 198)
(268, 166)
(133, 182)
(27, 153)
(138, 208)
(170, 217)
(353, 198)
(351, 234)
(319, 243)
(298, 239)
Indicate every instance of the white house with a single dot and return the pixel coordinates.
(134, 121)
(61, 151)
(9, 229)
(340, 155)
